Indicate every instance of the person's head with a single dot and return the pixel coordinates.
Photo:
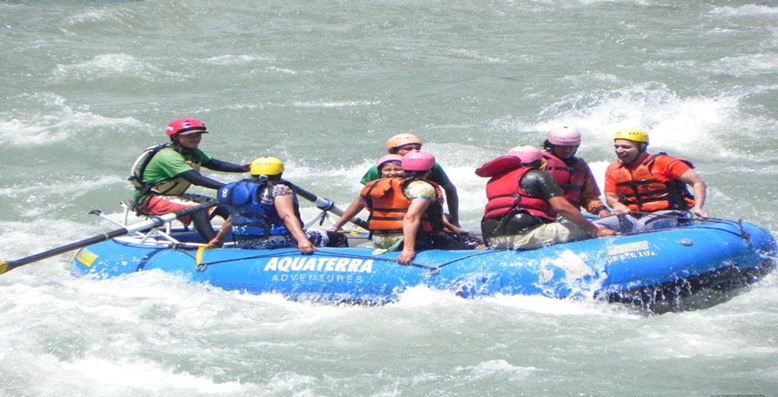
(186, 131)
(401, 144)
(530, 156)
(418, 163)
(563, 142)
(629, 144)
(390, 166)
(270, 167)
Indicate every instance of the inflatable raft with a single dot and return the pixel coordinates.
(690, 267)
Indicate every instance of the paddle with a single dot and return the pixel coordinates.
(325, 204)
(152, 222)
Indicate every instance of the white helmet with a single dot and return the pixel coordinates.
(564, 136)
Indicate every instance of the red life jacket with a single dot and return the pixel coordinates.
(387, 204)
(507, 197)
(570, 177)
(641, 191)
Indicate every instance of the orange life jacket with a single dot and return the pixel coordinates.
(388, 204)
(641, 191)
(506, 197)
(570, 177)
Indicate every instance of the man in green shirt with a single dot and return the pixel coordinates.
(401, 144)
(162, 174)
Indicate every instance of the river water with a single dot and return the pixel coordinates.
(86, 85)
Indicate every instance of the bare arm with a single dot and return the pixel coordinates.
(700, 189)
(218, 240)
(351, 211)
(285, 209)
(411, 224)
(613, 201)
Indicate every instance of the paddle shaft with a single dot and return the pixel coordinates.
(325, 204)
(152, 222)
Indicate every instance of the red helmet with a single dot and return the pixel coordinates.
(527, 154)
(421, 160)
(564, 136)
(185, 124)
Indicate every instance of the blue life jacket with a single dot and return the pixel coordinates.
(252, 210)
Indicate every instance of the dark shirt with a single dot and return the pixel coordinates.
(535, 183)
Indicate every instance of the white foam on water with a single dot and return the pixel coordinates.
(59, 121)
(112, 65)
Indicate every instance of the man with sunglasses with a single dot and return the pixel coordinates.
(649, 191)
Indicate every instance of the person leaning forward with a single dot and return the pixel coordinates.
(649, 191)
(406, 212)
(524, 202)
(401, 144)
(163, 173)
(265, 213)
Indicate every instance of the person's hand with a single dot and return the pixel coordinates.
(406, 256)
(621, 209)
(305, 247)
(215, 243)
(699, 212)
(604, 232)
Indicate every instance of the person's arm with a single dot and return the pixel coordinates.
(590, 195)
(285, 208)
(567, 211)
(224, 166)
(196, 178)
(218, 240)
(411, 224)
(351, 211)
(613, 201)
(452, 201)
(448, 226)
(699, 187)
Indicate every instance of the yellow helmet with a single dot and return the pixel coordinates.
(401, 140)
(632, 134)
(268, 166)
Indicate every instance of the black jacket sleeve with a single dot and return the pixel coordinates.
(198, 179)
(224, 166)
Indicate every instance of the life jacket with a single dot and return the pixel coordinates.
(174, 187)
(387, 204)
(252, 210)
(506, 197)
(641, 191)
(136, 172)
(570, 177)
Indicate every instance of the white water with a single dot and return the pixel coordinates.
(86, 85)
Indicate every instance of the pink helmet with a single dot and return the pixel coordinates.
(185, 124)
(527, 154)
(389, 157)
(564, 136)
(418, 161)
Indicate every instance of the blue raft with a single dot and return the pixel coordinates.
(690, 267)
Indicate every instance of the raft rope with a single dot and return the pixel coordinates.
(433, 270)
(744, 235)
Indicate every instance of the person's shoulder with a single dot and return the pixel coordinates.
(536, 174)
(370, 175)
(664, 159)
(166, 154)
